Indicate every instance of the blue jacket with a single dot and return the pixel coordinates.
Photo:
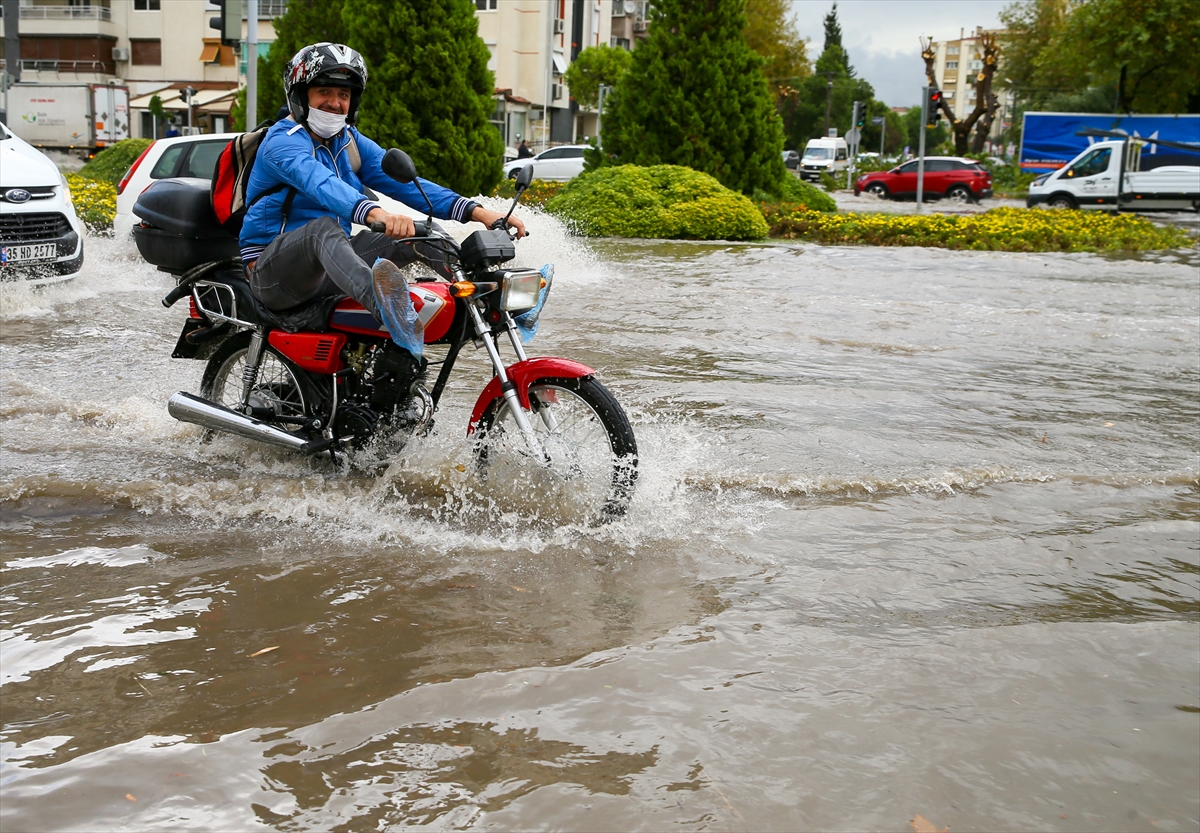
(325, 185)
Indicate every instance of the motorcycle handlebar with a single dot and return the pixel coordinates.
(422, 227)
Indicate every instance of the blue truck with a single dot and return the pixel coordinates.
(1050, 141)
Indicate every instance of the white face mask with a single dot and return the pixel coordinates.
(325, 124)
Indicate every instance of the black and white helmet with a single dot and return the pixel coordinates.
(331, 64)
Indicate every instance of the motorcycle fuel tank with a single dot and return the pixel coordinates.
(432, 301)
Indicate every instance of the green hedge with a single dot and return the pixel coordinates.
(795, 190)
(110, 164)
(539, 192)
(998, 230)
(659, 201)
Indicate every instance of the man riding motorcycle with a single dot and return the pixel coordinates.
(307, 187)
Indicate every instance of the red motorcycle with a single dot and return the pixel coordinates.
(303, 378)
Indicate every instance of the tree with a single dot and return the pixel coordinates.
(1104, 55)
(833, 37)
(830, 91)
(986, 103)
(773, 36)
(695, 96)
(593, 67)
(304, 22)
(430, 89)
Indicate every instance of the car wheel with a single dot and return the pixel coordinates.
(878, 189)
(960, 195)
(1063, 201)
(513, 173)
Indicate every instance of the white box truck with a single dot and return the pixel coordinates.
(1117, 175)
(85, 117)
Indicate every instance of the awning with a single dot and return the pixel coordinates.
(210, 53)
(171, 99)
(560, 63)
(218, 105)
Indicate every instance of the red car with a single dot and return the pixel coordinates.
(952, 177)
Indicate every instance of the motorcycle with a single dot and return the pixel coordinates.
(304, 378)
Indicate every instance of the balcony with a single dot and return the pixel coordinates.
(267, 8)
(65, 13)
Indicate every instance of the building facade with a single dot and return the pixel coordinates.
(162, 47)
(532, 42)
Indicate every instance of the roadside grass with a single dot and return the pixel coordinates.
(997, 230)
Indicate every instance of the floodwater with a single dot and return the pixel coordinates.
(917, 532)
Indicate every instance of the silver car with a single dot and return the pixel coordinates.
(561, 163)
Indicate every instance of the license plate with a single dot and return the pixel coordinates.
(25, 254)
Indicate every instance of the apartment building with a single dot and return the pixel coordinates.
(158, 47)
(957, 65)
(532, 42)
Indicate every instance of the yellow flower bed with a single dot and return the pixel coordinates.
(95, 202)
(999, 230)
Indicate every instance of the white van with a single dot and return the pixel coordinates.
(41, 237)
(830, 155)
(1122, 175)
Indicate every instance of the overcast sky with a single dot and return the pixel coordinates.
(882, 36)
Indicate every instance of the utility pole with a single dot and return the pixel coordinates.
(251, 64)
(921, 147)
(828, 99)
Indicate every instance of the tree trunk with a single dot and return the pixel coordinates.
(985, 102)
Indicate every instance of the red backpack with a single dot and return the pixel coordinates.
(231, 177)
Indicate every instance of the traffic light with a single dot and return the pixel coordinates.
(933, 109)
(860, 113)
(229, 24)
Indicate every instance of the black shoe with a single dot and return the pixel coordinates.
(397, 375)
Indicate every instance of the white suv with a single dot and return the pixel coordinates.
(177, 156)
(41, 238)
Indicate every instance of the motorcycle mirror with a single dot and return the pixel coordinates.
(399, 166)
(524, 178)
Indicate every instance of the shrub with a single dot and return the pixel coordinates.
(660, 201)
(540, 190)
(111, 163)
(1001, 230)
(95, 202)
(796, 191)
(831, 183)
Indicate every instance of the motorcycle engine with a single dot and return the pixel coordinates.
(357, 421)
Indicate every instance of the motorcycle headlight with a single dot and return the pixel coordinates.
(519, 289)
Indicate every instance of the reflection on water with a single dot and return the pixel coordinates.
(915, 531)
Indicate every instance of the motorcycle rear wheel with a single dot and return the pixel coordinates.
(591, 451)
(277, 388)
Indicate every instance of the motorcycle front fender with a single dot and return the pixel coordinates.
(523, 374)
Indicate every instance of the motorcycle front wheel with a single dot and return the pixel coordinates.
(277, 389)
(588, 450)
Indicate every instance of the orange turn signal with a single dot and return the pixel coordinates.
(462, 289)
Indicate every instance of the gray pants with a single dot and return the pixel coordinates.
(318, 259)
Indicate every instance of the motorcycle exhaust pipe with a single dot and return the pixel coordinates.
(188, 408)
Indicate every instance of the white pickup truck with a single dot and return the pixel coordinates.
(1117, 175)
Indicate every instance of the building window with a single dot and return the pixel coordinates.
(951, 64)
(951, 50)
(976, 65)
(147, 5)
(485, 5)
(949, 94)
(145, 53)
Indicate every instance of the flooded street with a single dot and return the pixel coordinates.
(917, 532)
